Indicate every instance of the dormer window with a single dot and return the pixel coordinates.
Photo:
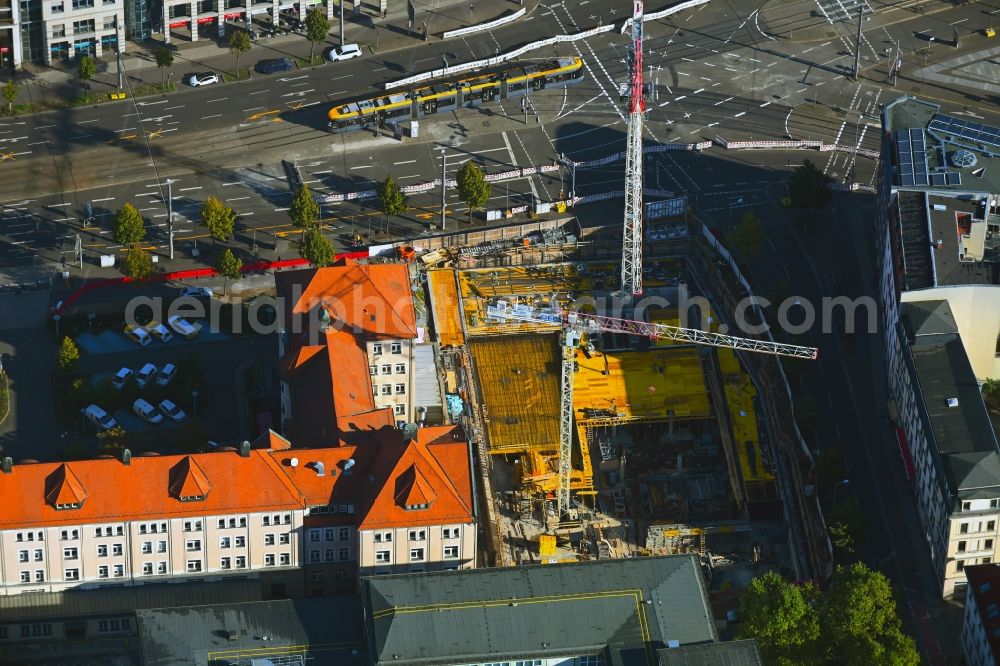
(192, 498)
(416, 507)
(69, 505)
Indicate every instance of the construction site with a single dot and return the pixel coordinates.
(668, 451)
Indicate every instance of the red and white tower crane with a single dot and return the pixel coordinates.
(632, 234)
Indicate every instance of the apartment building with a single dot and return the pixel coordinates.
(347, 348)
(938, 252)
(214, 14)
(98, 523)
(10, 35)
(981, 623)
(72, 28)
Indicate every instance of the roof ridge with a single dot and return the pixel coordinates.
(392, 308)
(279, 472)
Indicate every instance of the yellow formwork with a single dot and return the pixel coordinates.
(740, 393)
(447, 315)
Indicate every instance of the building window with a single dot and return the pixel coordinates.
(39, 555)
(966, 506)
(71, 554)
(328, 534)
(269, 560)
(386, 389)
(314, 535)
(192, 525)
(986, 560)
(284, 539)
(382, 556)
(39, 578)
(343, 534)
(161, 546)
(450, 533)
(194, 565)
(285, 559)
(266, 521)
(147, 547)
(994, 503)
(82, 4)
(372, 370)
(117, 549)
(317, 576)
(328, 555)
(313, 556)
(961, 546)
(25, 576)
(59, 30)
(400, 368)
(396, 348)
(161, 567)
(119, 570)
(988, 544)
(222, 523)
(224, 563)
(960, 566)
(73, 574)
(224, 542)
(400, 389)
(963, 528)
(344, 554)
(22, 556)
(193, 545)
(240, 542)
(83, 27)
(451, 552)
(399, 409)
(268, 539)
(376, 349)
(386, 369)
(241, 562)
(57, 8)
(383, 537)
(416, 554)
(418, 535)
(147, 568)
(70, 535)
(991, 525)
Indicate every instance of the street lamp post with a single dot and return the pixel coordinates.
(170, 214)
(444, 182)
(341, 22)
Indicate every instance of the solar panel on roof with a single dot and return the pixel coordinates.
(954, 178)
(906, 179)
(937, 179)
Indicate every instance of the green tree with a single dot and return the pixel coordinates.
(316, 248)
(809, 187)
(129, 227)
(86, 69)
(10, 94)
(782, 619)
(317, 28)
(219, 218)
(137, 263)
(472, 186)
(229, 267)
(164, 58)
(112, 441)
(391, 200)
(859, 625)
(239, 42)
(747, 237)
(304, 210)
(846, 525)
(68, 354)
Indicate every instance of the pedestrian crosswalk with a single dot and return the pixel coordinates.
(842, 10)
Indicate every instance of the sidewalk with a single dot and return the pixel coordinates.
(56, 85)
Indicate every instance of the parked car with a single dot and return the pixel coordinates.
(159, 331)
(147, 412)
(121, 378)
(166, 374)
(100, 418)
(172, 411)
(183, 327)
(196, 292)
(274, 65)
(138, 335)
(145, 373)
(345, 52)
(201, 78)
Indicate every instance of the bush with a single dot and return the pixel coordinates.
(68, 354)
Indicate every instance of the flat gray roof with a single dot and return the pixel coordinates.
(627, 607)
(730, 653)
(955, 408)
(327, 631)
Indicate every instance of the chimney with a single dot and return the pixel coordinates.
(8, 463)
(244, 449)
(126, 457)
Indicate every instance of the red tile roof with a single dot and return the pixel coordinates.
(148, 488)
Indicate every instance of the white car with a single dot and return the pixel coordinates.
(138, 335)
(197, 292)
(159, 331)
(201, 79)
(345, 52)
(147, 412)
(166, 374)
(121, 378)
(100, 418)
(173, 412)
(145, 373)
(183, 327)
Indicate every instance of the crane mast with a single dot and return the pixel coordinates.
(632, 228)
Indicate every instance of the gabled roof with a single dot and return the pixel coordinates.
(188, 480)
(413, 488)
(62, 487)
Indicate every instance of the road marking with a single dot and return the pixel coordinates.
(741, 113)
(82, 136)
(246, 214)
(363, 166)
(162, 101)
(698, 91)
(179, 106)
(93, 120)
(345, 76)
(404, 162)
(238, 182)
(280, 210)
(217, 115)
(58, 205)
(44, 126)
(260, 92)
(299, 92)
(141, 210)
(764, 104)
(416, 175)
(221, 99)
(254, 108)
(712, 124)
(188, 189)
(104, 199)
(65, 219)
(286, 79)
(958, 21)
(339, 92)
(236, 198)
(304, 83)
(37, 143)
